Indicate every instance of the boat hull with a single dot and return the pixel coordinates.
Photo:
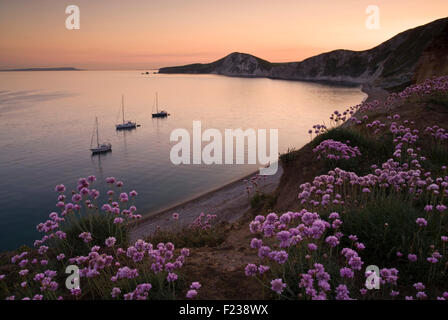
(160, 115)
(126, 126)
(102, 149)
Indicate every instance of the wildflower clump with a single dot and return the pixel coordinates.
(393, 217)
(335, 150)
(93, 240)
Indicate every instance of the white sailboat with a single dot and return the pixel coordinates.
(100, 148)
(125, 124)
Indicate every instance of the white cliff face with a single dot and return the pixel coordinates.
(391, 64)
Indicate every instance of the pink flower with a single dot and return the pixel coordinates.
(256, 243)
(86, 236)
(419, 286)
(347, 273)
(421, 222)
(421, 295)
(124, 197)
(110, 180)
(412, 257)
(191, 294)
(60, 188)
(110, 242)
(75, 292)
(262, 269)
(195, 285)
(76, 197)
(251, 270)
(278, 286)
(115, 292)
(118, 220)
(171, 277)
(394, 293)
(342, 292)
(332, 241)
(23, 273)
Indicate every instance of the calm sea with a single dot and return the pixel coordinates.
(47, 119)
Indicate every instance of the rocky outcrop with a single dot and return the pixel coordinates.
(390, 65)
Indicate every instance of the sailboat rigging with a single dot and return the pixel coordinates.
(100, 148)
(125, 124)
(162, 113)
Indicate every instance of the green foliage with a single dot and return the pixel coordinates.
(386, 223)
(262, 201)
(192, 238)
(100, 288)
(436, 157)
(100, 225)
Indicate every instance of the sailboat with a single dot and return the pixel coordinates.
(162, 113)
(125, 124)
(100, 148)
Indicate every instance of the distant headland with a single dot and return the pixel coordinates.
(407, 58)
(43, 69)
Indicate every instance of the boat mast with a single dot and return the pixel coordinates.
(97, 136)
(122, 105)
(157, 102)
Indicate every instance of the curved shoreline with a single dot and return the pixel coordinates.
(228, 202)
(225, 209)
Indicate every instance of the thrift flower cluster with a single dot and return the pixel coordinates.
(307, 254)
(108, 267)
(335, 150)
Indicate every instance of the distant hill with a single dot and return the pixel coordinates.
(44, 69)
(391, 65)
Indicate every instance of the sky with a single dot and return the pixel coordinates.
(143, 34)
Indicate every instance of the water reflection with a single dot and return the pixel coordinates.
(46, 127)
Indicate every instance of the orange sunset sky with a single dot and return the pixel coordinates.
(154, 33)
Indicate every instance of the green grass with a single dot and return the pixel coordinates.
(436, 156)
(192, 238)
(100, 226)
(262, 201)
(385, 223)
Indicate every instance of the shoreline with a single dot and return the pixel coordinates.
(228, 202)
